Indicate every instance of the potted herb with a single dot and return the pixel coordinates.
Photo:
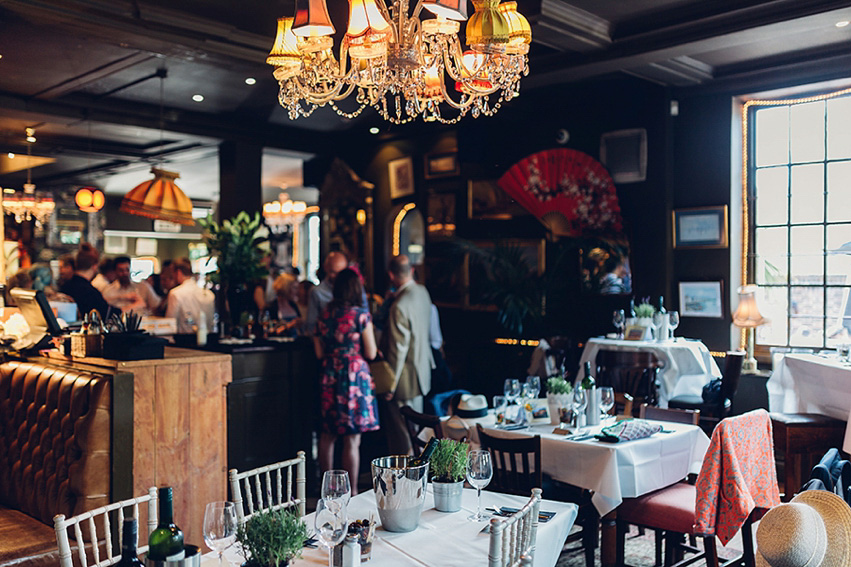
(559, 393)
(272, 538)
(644, 314)
(448, 467)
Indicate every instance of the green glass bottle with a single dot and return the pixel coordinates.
(129, 531)
(166, 542)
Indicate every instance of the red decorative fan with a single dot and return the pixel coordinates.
(569, 191)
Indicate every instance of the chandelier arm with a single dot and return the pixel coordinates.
(347, 92)
(464, 104)
(417, 9)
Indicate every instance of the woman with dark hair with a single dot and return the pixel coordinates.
(343, 337)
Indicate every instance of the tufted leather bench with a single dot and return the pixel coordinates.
(55, 428)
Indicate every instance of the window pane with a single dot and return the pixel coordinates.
(807, 262)
(806, 316)
(839, 256)
(772, 188)
(807, 131)
(839, 128)
(807, 193)
(772, 136)
(771, 255)
(806, 332)
(838, 316)
(772, 305)
(839, 191)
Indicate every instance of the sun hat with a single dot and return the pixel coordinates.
(472, 405)
(813, 530)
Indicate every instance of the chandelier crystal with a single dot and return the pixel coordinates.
(399, 64)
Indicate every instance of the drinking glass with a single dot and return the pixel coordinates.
(673, 321)
(511, 389)
(619, 321)
(657, 325)
(580, 402)
(220, 526)
(532, 387)
(336, 485)
(479, 473)
(500, 404)
(330, 523)
(607, 399)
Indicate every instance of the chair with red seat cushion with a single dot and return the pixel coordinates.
(736, 485)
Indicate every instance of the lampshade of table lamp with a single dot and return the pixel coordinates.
(747, 315)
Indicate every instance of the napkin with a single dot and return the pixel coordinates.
(628, 429)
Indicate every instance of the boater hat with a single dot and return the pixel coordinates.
(813, 530)
(472, 406)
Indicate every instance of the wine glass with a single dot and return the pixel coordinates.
(580, 402)
(220, 526)
(479, 473)
(511, 389)
(607, 399)
(330, 523)
(674, 321)
(532, 387)
(336, 485)
(658, 318)
(619, 320)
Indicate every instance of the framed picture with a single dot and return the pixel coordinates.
(401, 177)
(440, 217)
(485, 200)
(701, 299)
(701, 227)
(636, 333)
(442, 165)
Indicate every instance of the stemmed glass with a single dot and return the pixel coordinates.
(658, 318)
(479, 473)
(330, 522)
(674, 321)
(336, 485)
(511, 389)
(580, 402)
(532, 387)
(619, 320)
(607, 400)
(220, 526)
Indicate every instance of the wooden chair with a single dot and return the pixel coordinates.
(623, 404)
(512, 539)
(416, 422)
(516, 462)
(109, 541)
(714, 412)
(673, 415)
(265, 488)
(630, 372)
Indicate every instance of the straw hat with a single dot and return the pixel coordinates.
(472, 406)
(813, 530)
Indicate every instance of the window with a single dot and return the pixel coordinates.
(799, 185)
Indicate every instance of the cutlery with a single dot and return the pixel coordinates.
(543, 516)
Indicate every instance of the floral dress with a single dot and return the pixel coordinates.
(347, 391)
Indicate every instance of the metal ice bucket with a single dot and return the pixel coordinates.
(192, 558)
(399, 492)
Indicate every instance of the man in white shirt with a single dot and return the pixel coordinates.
(127, 295)
(187, 301)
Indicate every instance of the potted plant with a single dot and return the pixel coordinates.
(272, 538)
(559, 391)
(448, 467)
(644, 314)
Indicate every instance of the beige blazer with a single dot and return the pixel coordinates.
(408, 348)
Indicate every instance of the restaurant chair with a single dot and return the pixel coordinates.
(516, 462)
(103, 547)
(512, 539)
(623, 404)
(630, 372)
(715, 411)
(266, 488)
(415, 422)
(667, 414)
(737, 484)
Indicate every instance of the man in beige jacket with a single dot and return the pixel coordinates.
(407, 350)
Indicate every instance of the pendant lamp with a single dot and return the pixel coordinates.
(159, 198)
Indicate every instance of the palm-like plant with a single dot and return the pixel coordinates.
(239, 245)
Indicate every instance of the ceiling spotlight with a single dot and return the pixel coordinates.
(374, 130)
(250, 81)
(11, 155)
(198, 98)
(842, 24)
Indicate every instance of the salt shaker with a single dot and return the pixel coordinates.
(351, 551)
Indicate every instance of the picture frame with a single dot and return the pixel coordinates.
(401, 173)
(700, 227)
(636, 333)
(487, 201)
(442, 164)
(538, 411)
(440, 216)
(702, 299)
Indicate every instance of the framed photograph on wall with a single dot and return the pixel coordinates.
(702, 299)
(440, 217)
(700, 227)
(401, 177)
(443, 164)
(486, 200)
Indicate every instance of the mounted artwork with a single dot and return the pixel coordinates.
(486, 201)
(401, 177)
(441, 216)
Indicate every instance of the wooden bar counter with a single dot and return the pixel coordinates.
(169, 427)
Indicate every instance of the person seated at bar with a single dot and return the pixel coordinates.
(283, 311)
(105, 275)
(79, 286)
(186, 301)
(128, 295)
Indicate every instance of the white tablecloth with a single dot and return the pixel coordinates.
(442, 539)
(808, 383)
(615, 471)
(688, 365)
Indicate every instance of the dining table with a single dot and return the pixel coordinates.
(441, 539)
(687, 365)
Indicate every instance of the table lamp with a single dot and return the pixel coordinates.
(747, 316)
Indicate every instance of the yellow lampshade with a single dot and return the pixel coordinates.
(449, 9)
(368, 32)
(285, 56)
(747, 313)
(488, 30)
(521, 32)
(160, 199)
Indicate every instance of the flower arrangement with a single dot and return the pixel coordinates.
(239, 245)
(449, 461)
(272, 538)
(557, 385)
(644, 310)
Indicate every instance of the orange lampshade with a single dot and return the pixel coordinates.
(312, 19)
(89, 199)
(473, 62)
(368, 32)
(159, 198)
(449, 9)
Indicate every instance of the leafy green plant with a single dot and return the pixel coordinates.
(644, 310)
(556, 385)
(449, 461)
(239, 245)
(272, 538)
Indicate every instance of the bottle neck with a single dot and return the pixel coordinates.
(166, 509)
(129, 540)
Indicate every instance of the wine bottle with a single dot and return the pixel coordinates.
(425, 456)
(592, 411)
(166, 542)
(632, 308)
(662, 304)
(129, 533)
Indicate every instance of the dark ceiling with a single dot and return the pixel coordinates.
(85, 72)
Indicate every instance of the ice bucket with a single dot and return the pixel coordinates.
(399, 492)
(192, 558)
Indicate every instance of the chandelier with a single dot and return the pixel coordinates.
(399, 64)
(28, 205)
(284, 213)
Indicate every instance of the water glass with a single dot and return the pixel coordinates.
(673, 321)
(220, 526)
(479, 474)
(658, 318)
(619, 321)
(607, 399)
(580, 402)
(532, 387)
(336, 485)
(330, 523)
(511, 389)
(500, 404)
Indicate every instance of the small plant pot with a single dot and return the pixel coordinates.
(556, 401)
(447, 495)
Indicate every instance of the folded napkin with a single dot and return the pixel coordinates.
(543, 515)
(628, 429)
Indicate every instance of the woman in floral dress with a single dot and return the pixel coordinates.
(347, 391)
